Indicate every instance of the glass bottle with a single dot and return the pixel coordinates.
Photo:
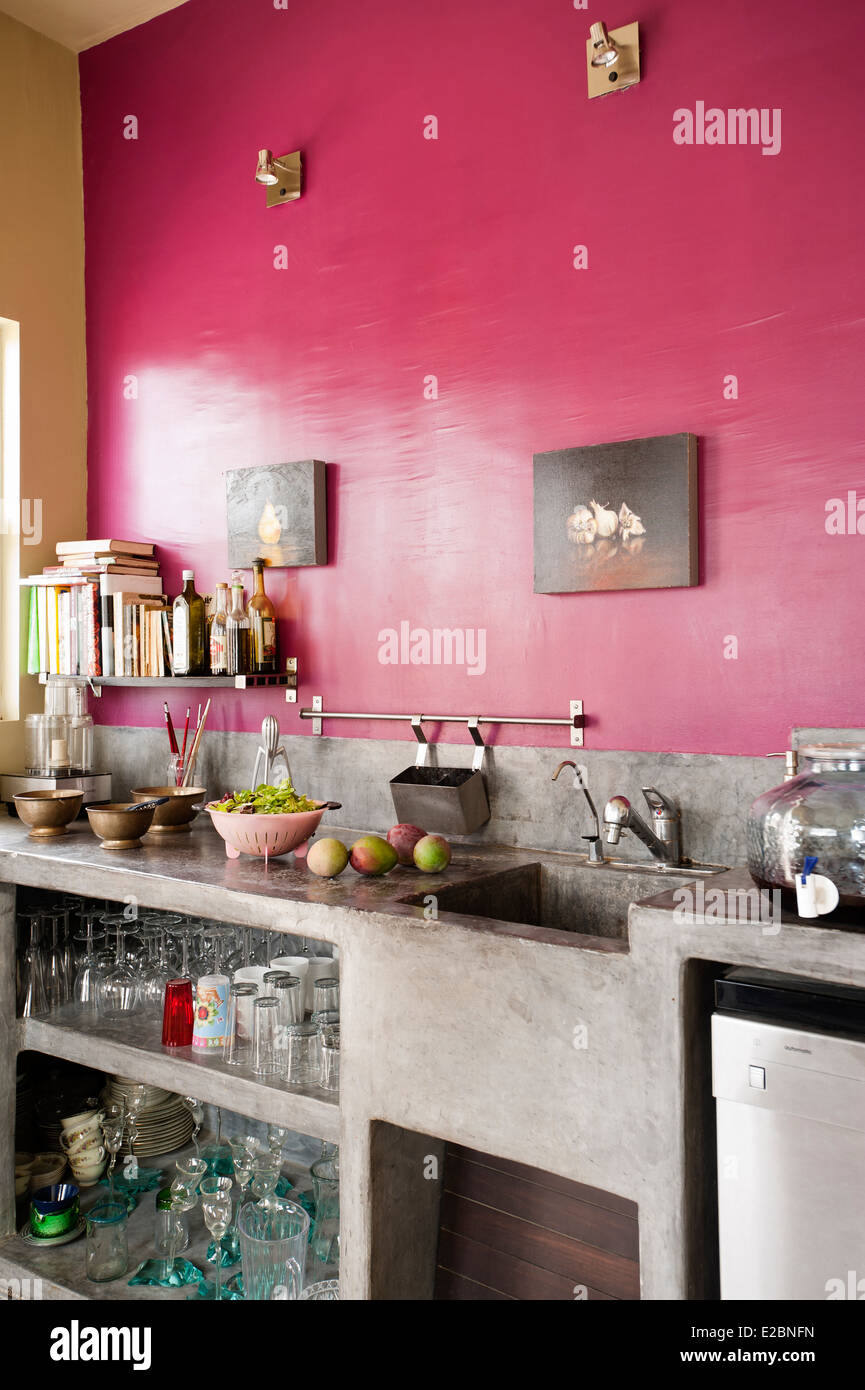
(262, 615)
(190, 630)
(219, 634)
(238, 630)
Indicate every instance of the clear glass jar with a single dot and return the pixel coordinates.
(107, 1253)
(821, 813)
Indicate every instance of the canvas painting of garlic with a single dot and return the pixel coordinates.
(617, 516)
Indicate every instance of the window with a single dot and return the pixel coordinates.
(10, 518)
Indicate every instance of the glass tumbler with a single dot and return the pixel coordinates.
(241, 1023)
(177, 1014)
(329, 1039)
(325, 1231)
(301, 1054)
(289, 991)
(273, 1241)
(107, 1253)
(325, 995)
(264, 1036)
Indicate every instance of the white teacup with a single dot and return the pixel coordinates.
(79, 1121)
(86, 1142)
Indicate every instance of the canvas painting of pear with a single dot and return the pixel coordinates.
(277, 511)
(617, 516)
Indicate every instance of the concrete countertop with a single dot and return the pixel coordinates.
(191, 872)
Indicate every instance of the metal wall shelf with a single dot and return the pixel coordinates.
(284, 680)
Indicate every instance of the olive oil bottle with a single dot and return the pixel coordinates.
(238, 632)
(262, 617)
(190, 630)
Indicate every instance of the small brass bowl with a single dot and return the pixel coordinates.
(180, 810)
(118, 828)
(48, 813)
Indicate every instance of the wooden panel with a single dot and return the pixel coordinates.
(574, 1260)
(505, 1273)
(510, 1231)
(566, 1186)
(462, 1290)
(595, 1225)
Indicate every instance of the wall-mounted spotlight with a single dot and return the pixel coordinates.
(281, 176)
(612, 58)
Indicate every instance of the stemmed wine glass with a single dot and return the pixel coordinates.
(136, 1099)
(184, 1194)
(112, 1120)
(196, 1110)
(89, 974)
(118, 992)
(33, 996)
(265, 1177)
(56, 977)
(216, 1208)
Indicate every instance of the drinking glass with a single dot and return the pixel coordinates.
(301, 1054)
(196, 1110)
(276, 1137)
(112, 1119)
(118, 992)
(107, 1253)
(88, 974)
(329, 1039)
(215, 1195)
(56, 979)
(33, 996)
(265, 1177)
(177, 1014)
(264, 1040)
(273, 1242)
(241, 1023)
(325, 1231)
(288, 990)
(325, 995)
(184, 1195)
(136, 1100)
(325, 1291)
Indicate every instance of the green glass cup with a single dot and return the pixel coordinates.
(54, 1211)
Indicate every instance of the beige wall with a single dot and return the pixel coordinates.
(42, 287)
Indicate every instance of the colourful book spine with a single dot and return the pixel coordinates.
(33, 634)
(92, 652)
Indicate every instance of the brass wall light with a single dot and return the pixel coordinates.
(612, 58)
(281, 176)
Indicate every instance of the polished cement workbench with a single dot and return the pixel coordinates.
(582, 1054)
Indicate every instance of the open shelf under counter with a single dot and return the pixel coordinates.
(133, 1047)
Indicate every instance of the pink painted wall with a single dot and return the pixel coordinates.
(410, 257)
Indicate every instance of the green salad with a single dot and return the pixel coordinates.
(265, 801)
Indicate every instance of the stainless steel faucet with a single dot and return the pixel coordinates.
(663, 840)
(594, 841)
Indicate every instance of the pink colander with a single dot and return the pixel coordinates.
(264, 835)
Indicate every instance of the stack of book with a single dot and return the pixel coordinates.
(99, 611)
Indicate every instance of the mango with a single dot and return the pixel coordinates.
(404, 838)
(327, 857)
(372, 855)
(432, 854)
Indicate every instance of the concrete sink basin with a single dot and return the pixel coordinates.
(569, 895)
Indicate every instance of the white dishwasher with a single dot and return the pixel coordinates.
(788, 1076)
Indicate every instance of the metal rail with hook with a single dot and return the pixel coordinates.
(574, 722)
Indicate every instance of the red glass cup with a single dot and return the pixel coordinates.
(177, 1014)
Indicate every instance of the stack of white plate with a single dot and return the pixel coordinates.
(164, 1124)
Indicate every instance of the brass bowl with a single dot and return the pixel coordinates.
(180, 810)
(118, 828)
(48, 813)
